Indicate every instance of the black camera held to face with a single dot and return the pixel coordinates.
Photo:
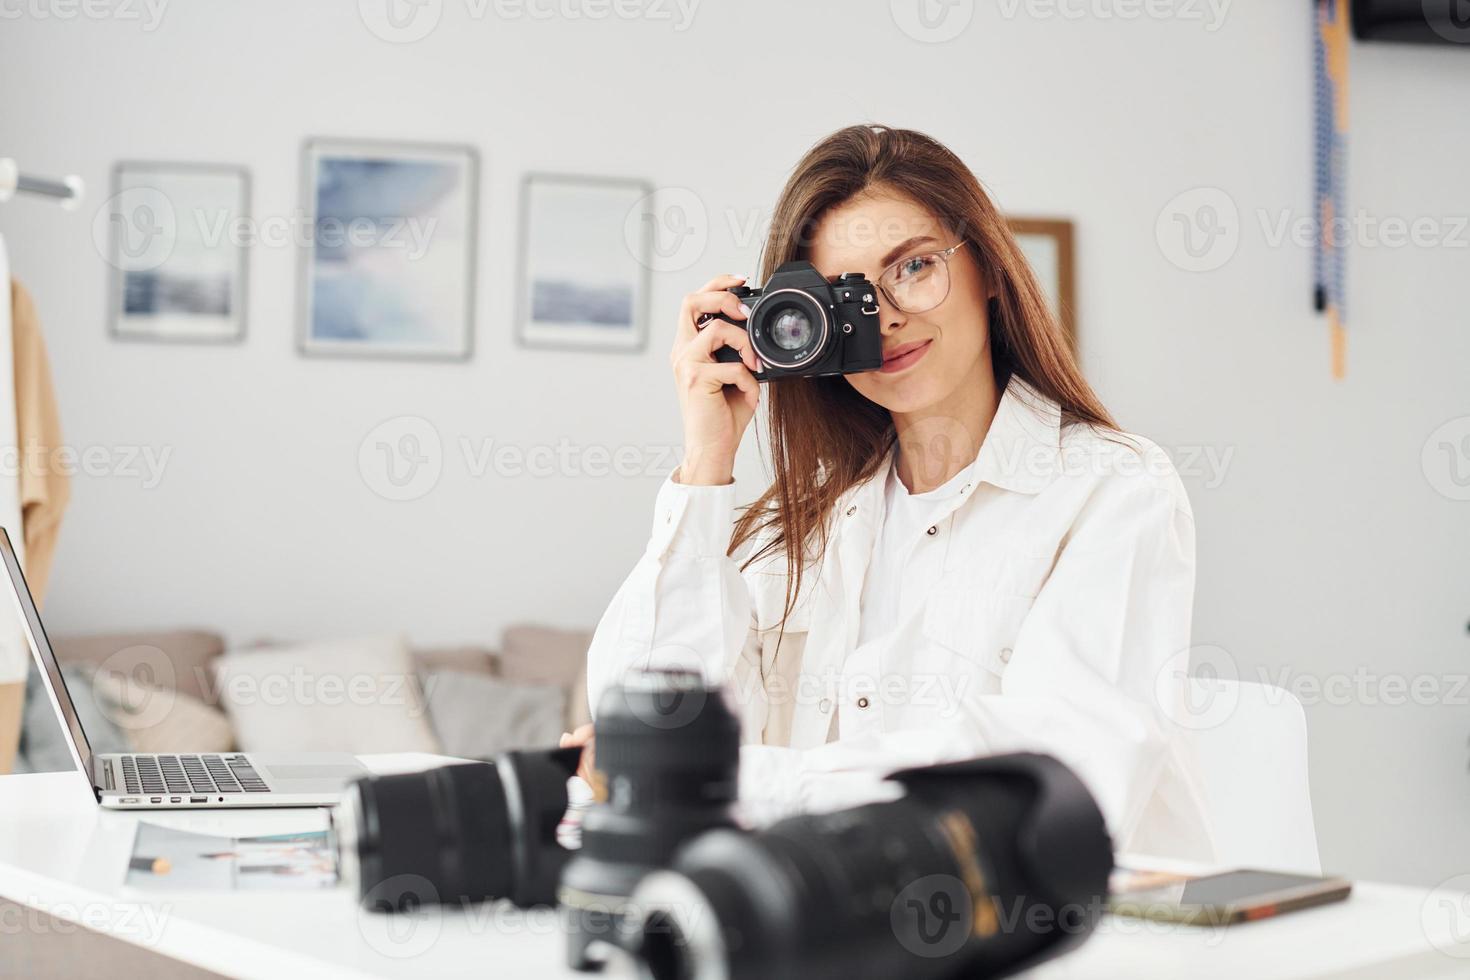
(801, 325)
(980, 869)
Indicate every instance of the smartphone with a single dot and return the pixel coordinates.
(1241, 895)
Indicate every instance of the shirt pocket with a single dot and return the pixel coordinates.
(768, 597)
(978, 615)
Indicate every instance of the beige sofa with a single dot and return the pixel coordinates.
(183, 690)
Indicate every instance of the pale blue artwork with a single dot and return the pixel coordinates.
(391, 252)
(583, 276)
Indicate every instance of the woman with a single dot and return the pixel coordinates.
(960, 553)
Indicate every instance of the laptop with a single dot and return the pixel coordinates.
(178, 780)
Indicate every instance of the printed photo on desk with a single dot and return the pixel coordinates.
(166, 859)
(388, 267)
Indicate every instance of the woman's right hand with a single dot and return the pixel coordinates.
(715, 417)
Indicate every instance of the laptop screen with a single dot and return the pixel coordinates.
(45, 659)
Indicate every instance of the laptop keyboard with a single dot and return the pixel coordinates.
(190, 774)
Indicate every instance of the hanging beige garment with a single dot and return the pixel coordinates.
(45, 486)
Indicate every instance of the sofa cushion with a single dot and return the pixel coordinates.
(155, 719)
(461, 660)
(546, 655)
(170, 659)
(349, 695)
(477, 716)
(42, 746)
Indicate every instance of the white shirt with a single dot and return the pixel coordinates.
(887, 589)
(1056, 593)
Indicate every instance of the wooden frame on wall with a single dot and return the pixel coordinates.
(1048, 246)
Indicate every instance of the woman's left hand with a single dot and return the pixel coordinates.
(582, 736)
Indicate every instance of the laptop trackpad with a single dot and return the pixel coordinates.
(286, 773)
(311, 772)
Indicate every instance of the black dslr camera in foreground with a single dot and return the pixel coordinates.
(982, 868)
(801, 325)
(668, 756)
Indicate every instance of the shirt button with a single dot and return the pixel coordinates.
(852, 510)
(862, 702)
(932, 531)
(825, 706)
(1005, 655)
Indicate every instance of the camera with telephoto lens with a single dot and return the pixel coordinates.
(668, 751)
(981, 869)
(801, 325)
(457, 834)
(667, 761)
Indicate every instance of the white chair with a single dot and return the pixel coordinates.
(1253, 766)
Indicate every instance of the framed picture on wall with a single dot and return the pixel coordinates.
(584, 263)
(1047, 244)
(175, 245)
(388, 268)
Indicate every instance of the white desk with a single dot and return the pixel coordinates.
(63, 855)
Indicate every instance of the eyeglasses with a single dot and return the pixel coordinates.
(918, 283)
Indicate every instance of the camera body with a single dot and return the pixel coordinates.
(801, 325)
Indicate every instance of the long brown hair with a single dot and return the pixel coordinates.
(824, 436)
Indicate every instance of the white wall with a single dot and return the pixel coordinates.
(1324, 549)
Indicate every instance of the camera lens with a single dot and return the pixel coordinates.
(791, 329)
(405, 859)
(457, 834)
(982, 868)
(668, 753)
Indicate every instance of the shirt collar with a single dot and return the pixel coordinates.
(1021, 451)
(1022, 448)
